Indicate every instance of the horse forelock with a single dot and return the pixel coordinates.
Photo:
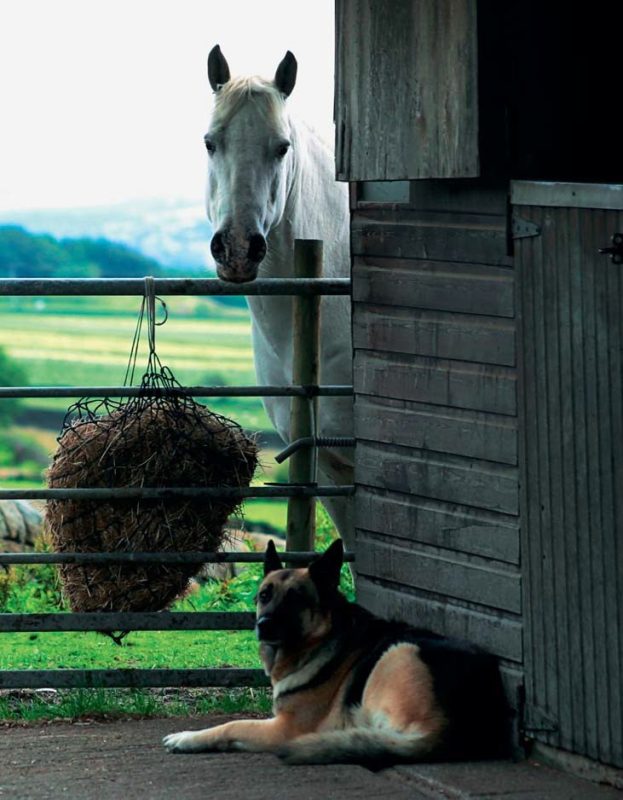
(237, 92)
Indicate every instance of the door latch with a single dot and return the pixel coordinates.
(615, 251)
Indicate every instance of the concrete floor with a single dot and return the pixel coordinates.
(84, 761)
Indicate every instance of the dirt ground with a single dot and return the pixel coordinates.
(110, 760)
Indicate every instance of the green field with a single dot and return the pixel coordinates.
(86, 342)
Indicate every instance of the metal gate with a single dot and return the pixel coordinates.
(163, 620)
(571, 345)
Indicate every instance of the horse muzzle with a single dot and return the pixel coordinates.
(237, 258)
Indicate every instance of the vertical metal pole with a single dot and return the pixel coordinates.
(301, 526)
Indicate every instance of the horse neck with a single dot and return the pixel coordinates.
(316, 208)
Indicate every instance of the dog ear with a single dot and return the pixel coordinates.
(271, 559)
(325, 571)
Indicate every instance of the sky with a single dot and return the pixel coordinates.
(103, 103)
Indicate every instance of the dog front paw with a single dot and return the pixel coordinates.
(183, 742)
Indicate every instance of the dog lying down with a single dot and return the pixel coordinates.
(349, 687)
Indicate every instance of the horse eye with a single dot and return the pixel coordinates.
(210, 146)
(282, 149)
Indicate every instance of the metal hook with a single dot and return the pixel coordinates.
(165, 310)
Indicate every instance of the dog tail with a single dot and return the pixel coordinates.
(372, 747)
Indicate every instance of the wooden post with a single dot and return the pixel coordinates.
(301, 526)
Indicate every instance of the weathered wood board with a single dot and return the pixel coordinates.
(406, 89)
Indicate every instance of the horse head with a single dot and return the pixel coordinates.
(250, 164)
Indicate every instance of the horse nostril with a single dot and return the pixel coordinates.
(257, 248)
(217, 246)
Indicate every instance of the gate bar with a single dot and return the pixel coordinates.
(285, 490)
(130, 678)
(40, 287)
(187, 391)
(187, 557)
(110, 621)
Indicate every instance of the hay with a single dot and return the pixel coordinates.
(169, 441)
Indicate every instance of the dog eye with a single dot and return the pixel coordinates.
(264, 595)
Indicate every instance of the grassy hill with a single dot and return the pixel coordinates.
(27, 255)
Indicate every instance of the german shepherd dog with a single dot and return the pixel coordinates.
(350, 687)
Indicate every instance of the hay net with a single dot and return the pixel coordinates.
(159, 438)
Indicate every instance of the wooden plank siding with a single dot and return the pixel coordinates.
(457, 431)
(460, 288)
(442, 573)
(406, 89)
(440, 476)
(440, 236)
(437, 334)
(435, 379)
(572, 472)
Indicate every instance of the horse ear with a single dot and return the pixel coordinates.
(325, 572)
(285, 77)
(271, 559)
(218, 68)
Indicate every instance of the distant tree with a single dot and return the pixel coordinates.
(27, 255)
(11, 374)
(112, 259)
(23, 255)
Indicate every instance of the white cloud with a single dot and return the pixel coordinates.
(104, 102)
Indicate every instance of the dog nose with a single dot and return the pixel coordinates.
(265, 628)
(257, 248)
(217, 246)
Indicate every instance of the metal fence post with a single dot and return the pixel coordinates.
(301, 524)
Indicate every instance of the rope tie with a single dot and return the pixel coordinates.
(148, 308)
(150, 300)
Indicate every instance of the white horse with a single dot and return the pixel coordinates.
(270, 181)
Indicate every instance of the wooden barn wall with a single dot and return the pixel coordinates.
(572, 475)
(406, 89)
(436, 414)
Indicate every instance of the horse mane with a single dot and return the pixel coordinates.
(237, 91)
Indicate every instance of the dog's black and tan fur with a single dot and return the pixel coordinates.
(350, 687)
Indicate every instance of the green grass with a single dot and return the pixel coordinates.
(265, 515)
(100, 704)
(87, 341)
(37, 589)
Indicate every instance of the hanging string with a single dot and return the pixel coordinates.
(150, 297)
(130, 369)
(148, 308)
